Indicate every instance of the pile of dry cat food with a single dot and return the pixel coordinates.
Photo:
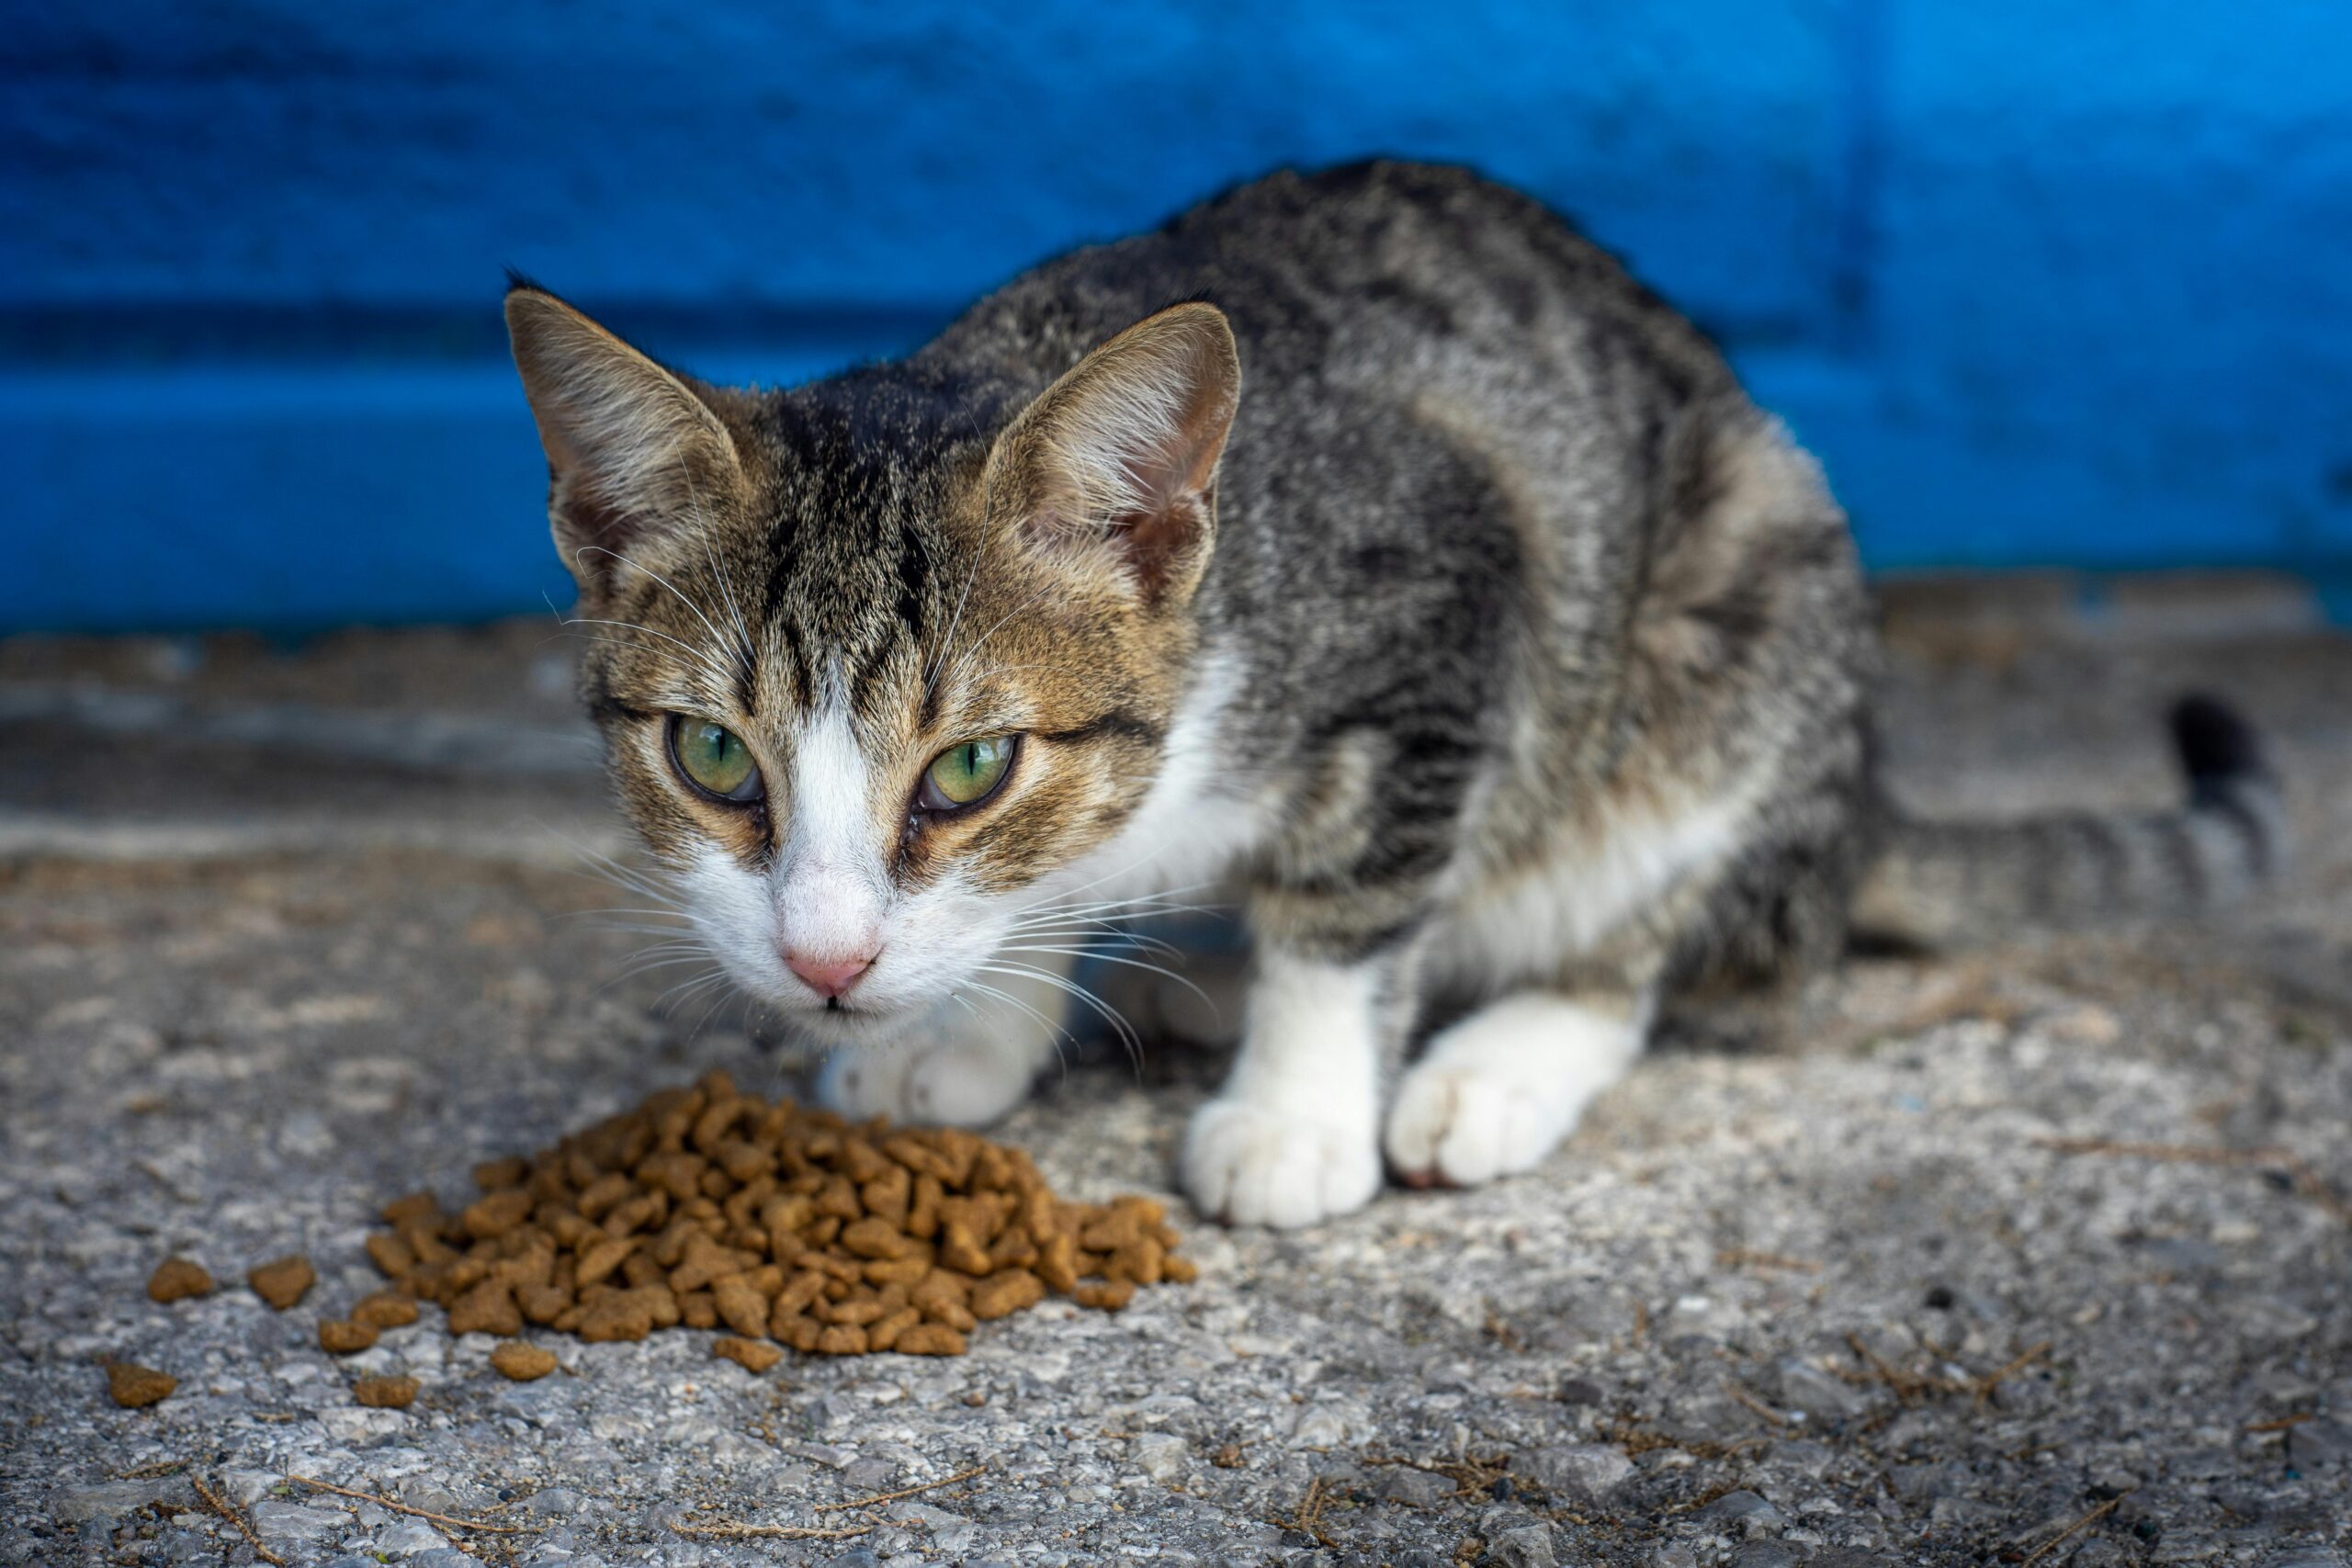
(707, 1207)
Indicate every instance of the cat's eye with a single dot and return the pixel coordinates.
(965, 774)
(713, 759)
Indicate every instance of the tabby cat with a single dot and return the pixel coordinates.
(1363, 543)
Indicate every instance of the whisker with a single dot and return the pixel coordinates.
(710, 666)
(634, 971)
(1107, 934)
(1057, 1035)
(1111, 1015)
(1112, 875)
(667, 913)
(717, 976)
(930, 677)
(1001, 622)
(1114, 958)
(709, 624)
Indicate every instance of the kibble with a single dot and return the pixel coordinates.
(385, 1309)
(524, 1363)
(340, 1336)
(752, 1354)
(385, 1394)
(284, 1283)
(135, 1387)
(176, 1278)
(714, 1209)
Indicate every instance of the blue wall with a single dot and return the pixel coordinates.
(2043, 283)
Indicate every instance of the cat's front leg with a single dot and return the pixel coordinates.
(1497, 1091)
(970, 1063)
(1295, 1135)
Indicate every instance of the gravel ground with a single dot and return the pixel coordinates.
(286, 933)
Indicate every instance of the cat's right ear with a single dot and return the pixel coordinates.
(631, 448)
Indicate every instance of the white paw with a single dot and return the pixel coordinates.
(1250, 1164)
(959, 1084)
(1497, 1091)
(1465, 1126)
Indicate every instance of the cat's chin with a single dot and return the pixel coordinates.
(851, 1025)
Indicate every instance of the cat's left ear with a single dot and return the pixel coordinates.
(1113, 467)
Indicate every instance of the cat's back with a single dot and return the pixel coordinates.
(1374, 278)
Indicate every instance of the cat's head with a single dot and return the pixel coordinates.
(876, 658)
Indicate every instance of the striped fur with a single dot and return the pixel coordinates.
(1415, 575)
(1942, 884)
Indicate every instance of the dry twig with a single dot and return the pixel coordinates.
(736, 1530)
(1987, 1384)
(399, 1507)
(1907, 1386)
(1308, 1519)
(221, 1505)
(2281, 1424)
(903, 1491)
(1636, 1440)
(1753, 1404)
(2071, 1531)
(1748, 1257)
(1472, 1477)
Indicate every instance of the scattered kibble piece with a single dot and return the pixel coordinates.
(176, 1278)
(523, 1362)
(340, 1336)
(135, 1387)
(930, 1340)
(385, 1394)
(385, 1309)
(752, 1354)
(710, 1208)
(488, 1308)
(285, 1283)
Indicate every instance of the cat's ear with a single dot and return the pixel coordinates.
(1113, 467)
(631, 448)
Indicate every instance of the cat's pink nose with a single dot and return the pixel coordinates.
(827, 980)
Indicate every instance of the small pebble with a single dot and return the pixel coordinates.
(176, 1278)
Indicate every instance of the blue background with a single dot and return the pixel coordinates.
(2043, 283)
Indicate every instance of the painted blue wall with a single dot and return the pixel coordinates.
(2042, 284)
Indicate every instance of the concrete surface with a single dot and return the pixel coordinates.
(1822, 1294)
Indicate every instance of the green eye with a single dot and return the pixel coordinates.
(967, 774)
(713, 759)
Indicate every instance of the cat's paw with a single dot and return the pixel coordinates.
(1467, 1124)
(1249, 1164)
(1499, 1090)
(955, 1084)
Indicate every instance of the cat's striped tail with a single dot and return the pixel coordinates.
(1947, 884)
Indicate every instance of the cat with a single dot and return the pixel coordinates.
(1363, 541)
